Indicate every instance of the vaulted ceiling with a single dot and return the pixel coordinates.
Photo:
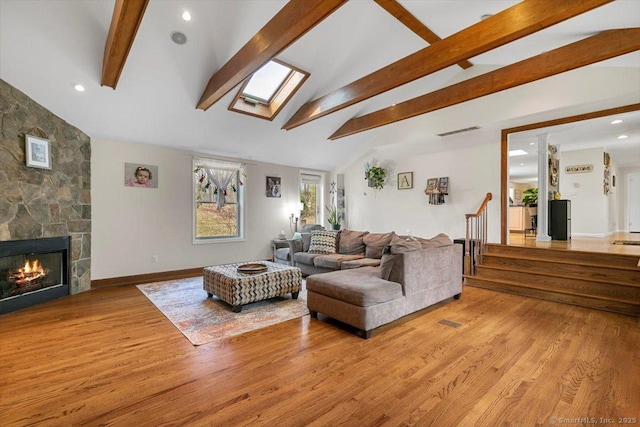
(382, 72)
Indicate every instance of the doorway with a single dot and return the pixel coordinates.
(633, 202)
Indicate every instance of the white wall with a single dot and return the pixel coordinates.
(129, 224)
(473, 171)
(589, 204)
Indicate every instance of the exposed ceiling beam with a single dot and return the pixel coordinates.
(511, 24)
(290, 23)
(127, 16)
(414, 24)
(602, 46)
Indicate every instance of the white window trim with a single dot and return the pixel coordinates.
(214, 162)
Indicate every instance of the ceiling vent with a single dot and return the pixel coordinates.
(459, 131)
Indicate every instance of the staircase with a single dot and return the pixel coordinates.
(602, 281)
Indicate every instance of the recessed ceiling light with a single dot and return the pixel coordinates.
(532, 143)
(186, 16)
(513, 153)
(79, 88)
(615, 122)
(178, 37)
(623, 136)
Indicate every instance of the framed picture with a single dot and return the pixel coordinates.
(273, 186)
(405, 180)
(443, 185)
(138, 175)
(432, 185)
(37, 152)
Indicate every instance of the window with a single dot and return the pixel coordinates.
(311, 197)
(268, 90)
(217, 199)
(265, 82)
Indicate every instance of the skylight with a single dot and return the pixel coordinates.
(265, 82)
(514, 153)
(265, 93)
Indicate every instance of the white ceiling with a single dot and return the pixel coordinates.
(593, 133)
(48, 46)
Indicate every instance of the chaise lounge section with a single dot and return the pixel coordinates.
(413, 275)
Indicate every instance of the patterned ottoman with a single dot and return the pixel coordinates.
(238, 289)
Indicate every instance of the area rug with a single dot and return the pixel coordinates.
(626, 242)
(203, 320)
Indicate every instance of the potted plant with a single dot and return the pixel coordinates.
(375, 176)
(530, 198)
(333, 217)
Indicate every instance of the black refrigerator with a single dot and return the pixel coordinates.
(560, 219)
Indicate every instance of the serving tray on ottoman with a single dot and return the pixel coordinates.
(237, 288)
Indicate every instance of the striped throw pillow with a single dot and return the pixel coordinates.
(323, 242)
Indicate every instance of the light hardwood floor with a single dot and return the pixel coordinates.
(109, 357)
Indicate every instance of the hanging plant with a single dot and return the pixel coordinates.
(375, 176)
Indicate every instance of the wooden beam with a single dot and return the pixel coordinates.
(292, 22)
(126, 19)
(414, 24)
(600, 47)
(511, 24)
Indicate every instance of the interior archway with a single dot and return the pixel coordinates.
(504, 150)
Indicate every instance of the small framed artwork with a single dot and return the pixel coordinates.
(38, 154)
(137, 175)
(405, 180)
(273, 186)
(443, 185)
(432, 185)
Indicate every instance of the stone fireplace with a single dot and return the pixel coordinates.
(42, 205)
(33, 271)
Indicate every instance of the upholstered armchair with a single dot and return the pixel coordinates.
(282, 249)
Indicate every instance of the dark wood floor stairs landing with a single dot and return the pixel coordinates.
(602, 281)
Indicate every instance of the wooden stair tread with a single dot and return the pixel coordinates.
(561, 261)
(625, 308)
(551, 289)
(560, 275)
(554, 254)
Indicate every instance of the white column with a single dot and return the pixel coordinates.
(543, 189)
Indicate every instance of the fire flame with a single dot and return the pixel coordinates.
(31, 271)
(32, 268)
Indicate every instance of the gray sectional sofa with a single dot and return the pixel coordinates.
(353, 249)
(412, 274)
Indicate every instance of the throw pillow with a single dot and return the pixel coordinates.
(435, 242)
(375, 243)
(400, 245)
(306, 241)
(296, 236)
(322, 242)
(351, 242)
(391, 267)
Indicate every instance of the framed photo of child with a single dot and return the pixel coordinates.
(138, 175)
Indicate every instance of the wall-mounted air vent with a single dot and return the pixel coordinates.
(459, 131)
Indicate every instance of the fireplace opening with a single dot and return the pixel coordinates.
(33, 271)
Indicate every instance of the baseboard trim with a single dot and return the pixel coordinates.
(146, 278)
